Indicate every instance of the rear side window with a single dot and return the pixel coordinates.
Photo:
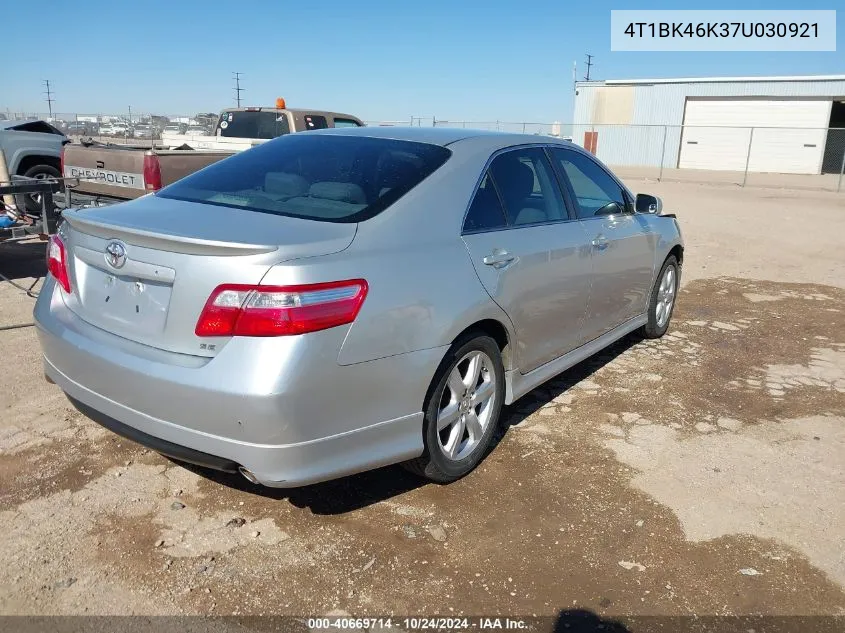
(315, 122)
(332, 178)
(527, 185)
(266, 124)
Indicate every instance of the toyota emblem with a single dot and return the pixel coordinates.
(115, 254)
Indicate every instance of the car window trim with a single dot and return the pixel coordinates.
(565, 193)
(626, 194)
(572, 217)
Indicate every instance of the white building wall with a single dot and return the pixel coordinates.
(661, 103)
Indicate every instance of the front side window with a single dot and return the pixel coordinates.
(526, 183)
(596, 191)
(330, 178)
(485, 213)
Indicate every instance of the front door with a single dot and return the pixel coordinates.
(622, 243)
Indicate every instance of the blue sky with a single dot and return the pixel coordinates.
(464, 59)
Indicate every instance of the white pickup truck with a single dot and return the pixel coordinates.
(238, 129)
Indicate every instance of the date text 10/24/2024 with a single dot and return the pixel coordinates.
(418, 623)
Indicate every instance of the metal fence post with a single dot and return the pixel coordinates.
(841, 171)
(663, 153)
(748, 157)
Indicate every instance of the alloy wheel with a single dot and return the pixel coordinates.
(466, 406)
(665, 296)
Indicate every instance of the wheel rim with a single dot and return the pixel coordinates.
(36, 197)
(466, 406)
(665, 297)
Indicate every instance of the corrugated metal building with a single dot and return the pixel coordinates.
(707, 123)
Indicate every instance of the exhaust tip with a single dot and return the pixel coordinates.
(248, 475)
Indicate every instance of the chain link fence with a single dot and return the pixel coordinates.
(137, 128)
(798, 158)
(802, 158)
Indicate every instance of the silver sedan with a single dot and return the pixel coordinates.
(335, 301)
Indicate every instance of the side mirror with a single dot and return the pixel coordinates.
(647, 203)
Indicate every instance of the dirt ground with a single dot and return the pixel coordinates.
(703, 473)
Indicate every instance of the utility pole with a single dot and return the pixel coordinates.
(238, 88)
(49, 97)
(589, 63)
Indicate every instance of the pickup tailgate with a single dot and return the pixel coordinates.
(106, 170)
(118, 171)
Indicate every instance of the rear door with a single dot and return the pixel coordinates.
(531, 257)
(621, 242)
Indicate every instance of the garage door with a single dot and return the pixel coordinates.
(788, 138)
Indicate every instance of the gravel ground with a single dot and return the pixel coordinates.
(703, 473)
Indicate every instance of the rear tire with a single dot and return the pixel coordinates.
(662, 301)
(465, 400)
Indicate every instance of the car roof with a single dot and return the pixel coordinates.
(439, 135)
(5, 125)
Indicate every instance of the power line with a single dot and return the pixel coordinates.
(238, 89)
(589, 64)
(49, 94)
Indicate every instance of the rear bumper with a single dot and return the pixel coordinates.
(157, 444)
(213, 412)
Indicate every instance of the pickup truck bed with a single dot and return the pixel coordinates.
(123, 172)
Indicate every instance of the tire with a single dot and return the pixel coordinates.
(447, 457)
(659, 311)
(32, 202)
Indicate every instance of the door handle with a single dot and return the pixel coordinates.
(499, 259)
(600, 242)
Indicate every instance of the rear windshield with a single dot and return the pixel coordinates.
(266, 124)
(324, 177)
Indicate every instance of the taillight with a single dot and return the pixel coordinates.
(62, 162)
(152, 172)
(57, 261)
(238, 310)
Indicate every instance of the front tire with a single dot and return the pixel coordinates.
(462, 410)
(32, 201)
(662, 301)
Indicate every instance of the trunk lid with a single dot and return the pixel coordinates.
(144, 269)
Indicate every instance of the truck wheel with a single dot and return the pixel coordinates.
(32, 201)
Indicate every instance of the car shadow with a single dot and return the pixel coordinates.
(585, 621)
(23, 260)
(516, 413)
(358, 491)
(337, 496)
